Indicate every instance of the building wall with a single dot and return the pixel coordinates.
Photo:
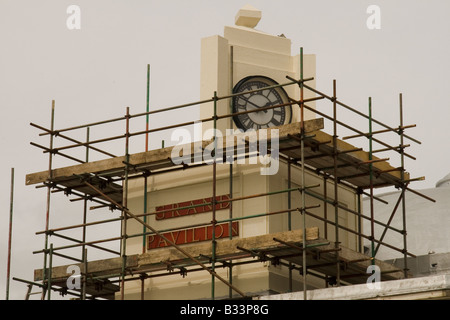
(196, 183)
(427, 222)
(279, 275)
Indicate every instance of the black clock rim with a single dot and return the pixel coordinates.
(245, 79)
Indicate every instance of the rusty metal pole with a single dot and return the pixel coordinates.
(230, 226)
(85, 206)
(360, 241)
(289, 216)
(302, 156)
(147, 107)
(125, 205)
(325, 214)
(8, 269)
(47, 214)
(144, 229)
(336, 208)
(50, 266)
(372, 217)
(402, 172)
(213, 257)
(325, 209)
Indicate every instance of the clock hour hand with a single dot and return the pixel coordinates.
(267, 104)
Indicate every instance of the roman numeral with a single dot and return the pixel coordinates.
(277, 112)
(245, 120)
(275, 122)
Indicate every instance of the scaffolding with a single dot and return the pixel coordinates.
(303, 145)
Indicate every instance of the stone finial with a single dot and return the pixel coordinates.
(248, 16)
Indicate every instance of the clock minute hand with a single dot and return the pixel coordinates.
(267, 104)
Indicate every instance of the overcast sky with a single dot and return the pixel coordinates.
(95, 72)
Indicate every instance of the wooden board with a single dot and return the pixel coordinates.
(225, 247)
(321, 257)
(352, 166)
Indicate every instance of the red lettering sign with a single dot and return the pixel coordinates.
(196, 206)
(184, 236)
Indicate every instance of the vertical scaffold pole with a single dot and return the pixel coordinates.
(325, 204)
(230, 216)
(302, 156)
(289, 215)
(50, 265)
(144, 229)
(49, 187)
(83, 247)
(402, 173)
(325, 214)
(11, 201)
(147, 108)
(213, 257)
(372, 218)
(336, 207)
(289, 186)
(360, 241)
(85, 277)
(125, 205)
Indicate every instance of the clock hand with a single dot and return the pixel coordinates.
(266, 105)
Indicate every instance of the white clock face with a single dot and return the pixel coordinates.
(259, 99)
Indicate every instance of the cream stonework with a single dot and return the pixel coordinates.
(196, 183)
(242, 51)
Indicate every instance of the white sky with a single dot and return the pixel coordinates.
(95, 72)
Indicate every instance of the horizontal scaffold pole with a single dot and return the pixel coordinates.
(353, 129)
(171, 108)
(330, 201)
(357, 112)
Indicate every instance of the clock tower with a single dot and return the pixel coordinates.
(243, 59)
(246, 59)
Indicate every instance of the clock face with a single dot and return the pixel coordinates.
(259, 99)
